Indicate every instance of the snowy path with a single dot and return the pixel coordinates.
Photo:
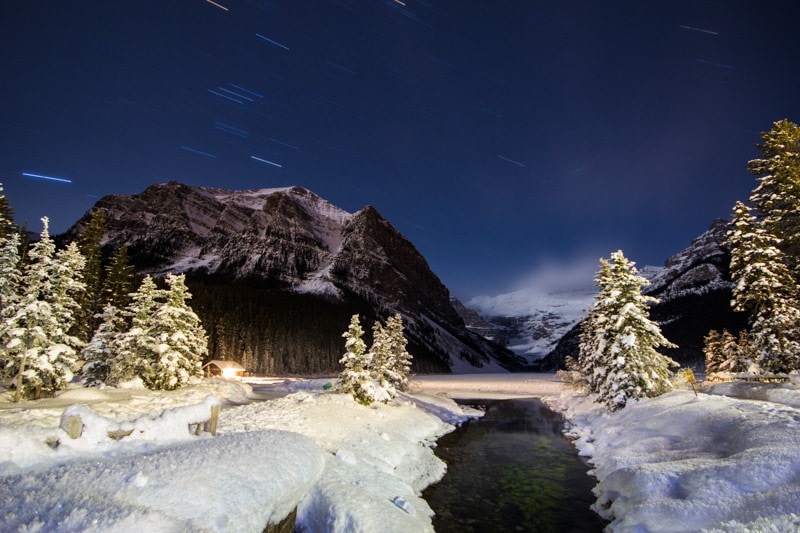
(489, 386)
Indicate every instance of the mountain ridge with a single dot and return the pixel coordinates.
(693, 288)
(290, 248)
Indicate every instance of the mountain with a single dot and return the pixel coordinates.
(531, 321)
(694, 290)
(277, 273)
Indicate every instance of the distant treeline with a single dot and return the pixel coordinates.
(270, 330)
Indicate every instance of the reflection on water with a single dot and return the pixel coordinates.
(512, 470)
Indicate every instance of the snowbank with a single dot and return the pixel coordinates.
(231, 483)
(685, 463)
(345, 466)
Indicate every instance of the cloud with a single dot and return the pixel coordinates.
(564, 274)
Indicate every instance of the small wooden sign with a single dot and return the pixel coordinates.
(690, 379)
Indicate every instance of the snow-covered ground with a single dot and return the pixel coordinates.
(346, 467)
(679, 462)
(685, 463)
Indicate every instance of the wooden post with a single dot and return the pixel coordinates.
(211, 425)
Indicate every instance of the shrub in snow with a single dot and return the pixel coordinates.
(618, 340)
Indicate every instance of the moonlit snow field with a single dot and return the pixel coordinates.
(674, 463)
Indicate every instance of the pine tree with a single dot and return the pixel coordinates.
(100, 351)
(120, 280)
(137, 347)
(380, 360)
(765, 287)
(618, 340)
(38, 351)
(399, 358)
(68, 286)
(7, 226)
(735, 353)
(90, 303)
(356, 378)
(712, 349)
(776, 199)
(181, 340)
(10, 275)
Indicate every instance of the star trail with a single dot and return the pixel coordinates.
(495, 135)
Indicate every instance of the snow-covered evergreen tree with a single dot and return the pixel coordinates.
(381, 364)
(67, 290)
(100, 351)
(137, 347)
(120, 280)
(765, 287)
(356, 377)
(724, 353)
(399, 359)
(90, 305)
(712, 349)
(181, 340)
(618, 340)
(10, 275)
(37, 350)
(7, 226)
(776, 199)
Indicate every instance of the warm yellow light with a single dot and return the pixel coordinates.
(229, 373)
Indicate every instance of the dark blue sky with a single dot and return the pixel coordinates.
(493, 134)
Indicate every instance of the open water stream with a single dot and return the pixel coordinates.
(512, 470)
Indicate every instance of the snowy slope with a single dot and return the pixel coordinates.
(686, 463)
(346, 467)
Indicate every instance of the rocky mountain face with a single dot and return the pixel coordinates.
(694, 290)
(276, 274)
(530, 321)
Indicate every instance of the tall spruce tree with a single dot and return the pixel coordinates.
(10, 275)
(38, 352)
(181, 341)
(120, 280)
(137, 347)
(712, 350)
(356, 377)
(381, 361)
(90, 304)
(399, 358)
(7, 226)
(618, 340)
(765, 287)
(765, 257)
(100, 351)
(776, 198)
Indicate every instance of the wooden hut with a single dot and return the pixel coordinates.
(225, 369)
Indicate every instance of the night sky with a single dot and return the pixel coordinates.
(496, 135)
